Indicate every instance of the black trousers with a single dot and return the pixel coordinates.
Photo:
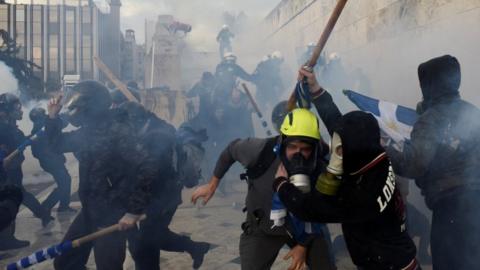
(109, 251)
(456, 232)
(154, 235)
(61, 176)
(419, 225)
(16, 178)
(258, 251)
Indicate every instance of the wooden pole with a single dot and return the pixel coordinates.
(99, 234)
(121, 86)
(337, 11)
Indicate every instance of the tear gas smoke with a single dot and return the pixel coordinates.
(9, 82)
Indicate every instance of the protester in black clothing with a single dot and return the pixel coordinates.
(11, 137)
(52, 163)
(268, 79)
(443, 157)
(226, 75)
(159, 138)
(115, 174)
(358, 190)
(204, 91)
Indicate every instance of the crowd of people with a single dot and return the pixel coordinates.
(133, 167)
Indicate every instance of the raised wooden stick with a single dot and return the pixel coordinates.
(121, 86)
(292, 101)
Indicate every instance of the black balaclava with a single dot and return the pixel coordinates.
(360, 136)
(439, 77)
(137, 114)
(88, 103)
(11, 107)
(38, 117)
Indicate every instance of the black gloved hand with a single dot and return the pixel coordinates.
(12, 193)
(278, 182)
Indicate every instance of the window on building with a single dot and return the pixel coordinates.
(70, 41)
(20, 30)
(4, 17)
(53, 55)
(53, 14)
(86, 15)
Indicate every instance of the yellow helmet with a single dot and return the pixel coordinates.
(302, 123)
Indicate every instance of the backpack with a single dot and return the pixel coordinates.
(265, 159)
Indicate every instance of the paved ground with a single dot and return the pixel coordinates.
(217, 223)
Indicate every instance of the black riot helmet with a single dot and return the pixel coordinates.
(38, 115)
(11, 107)
(87, 102)
(278, 114)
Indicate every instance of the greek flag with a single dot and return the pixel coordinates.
(394, 120)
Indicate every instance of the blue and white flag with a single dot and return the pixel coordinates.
(394, 120)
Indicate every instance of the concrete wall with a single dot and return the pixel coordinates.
(387, 39)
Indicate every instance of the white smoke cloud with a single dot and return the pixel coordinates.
(204, 15)
(8, 82)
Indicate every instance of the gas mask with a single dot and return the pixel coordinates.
(299, 168)
(329, 182)
(335, 166)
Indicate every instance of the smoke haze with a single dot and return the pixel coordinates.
(8, 82)
(205, 16)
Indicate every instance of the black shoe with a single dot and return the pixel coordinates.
(46, 220)
(13, 243)
(66, 209)
(198, 254)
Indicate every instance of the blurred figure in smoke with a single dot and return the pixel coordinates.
(278, 114)
(115, 174)
(443, 157)
(262, 239)
(52, 163)
(224, 38)
(334, 76)
(204, 91)
(238, 115)
(267, 77)
(305, 58)
(159, 138)
(12, 137)
(236, 122)
(118, 98)
(226, 75)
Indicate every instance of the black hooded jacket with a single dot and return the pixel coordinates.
(367, 204)
(115, 172)
(443, 152)
(10, 138)
(158, 139)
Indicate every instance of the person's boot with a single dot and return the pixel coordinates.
(13, 243)
(198, 253)
(46, 220)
